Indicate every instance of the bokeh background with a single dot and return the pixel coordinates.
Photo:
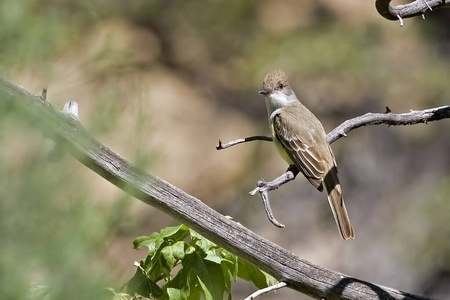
(160, 82)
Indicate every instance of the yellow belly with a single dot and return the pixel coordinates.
(282, 152)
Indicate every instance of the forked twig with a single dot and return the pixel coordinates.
(263, 188)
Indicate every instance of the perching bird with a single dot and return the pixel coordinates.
(301, 141)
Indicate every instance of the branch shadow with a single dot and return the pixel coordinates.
(441, 113)
(381, 292)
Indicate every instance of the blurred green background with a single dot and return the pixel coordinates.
(161, 81)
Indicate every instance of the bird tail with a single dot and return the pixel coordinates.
(334, 194)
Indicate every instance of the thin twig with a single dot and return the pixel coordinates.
(222, 146)
(267, 290)
(400, 20)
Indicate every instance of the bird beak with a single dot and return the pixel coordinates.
(265, 91)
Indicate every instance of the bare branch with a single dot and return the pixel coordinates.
(244, 140)
(415, 8)
(388, 118)
(411, 118)
(299, 274)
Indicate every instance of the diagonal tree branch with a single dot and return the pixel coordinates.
(415, 8)
(299, 274)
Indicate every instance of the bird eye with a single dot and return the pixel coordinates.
(280, 85)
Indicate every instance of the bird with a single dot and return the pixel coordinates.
(300, 139)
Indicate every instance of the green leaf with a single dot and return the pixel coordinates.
(250, 272)
(230, 261)
(206, 270)
(206, 289)
(195, 289)
(175, 233)
(156, 243)
(144, 240)
(190, 249)
(173, 253)
(140, 284)
(152, 242)
(209, 275)
(156, 270)
(186, 280)
(201, 241)
(178, 294)
(213, 258)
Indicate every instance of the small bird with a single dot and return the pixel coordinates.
(300, 139)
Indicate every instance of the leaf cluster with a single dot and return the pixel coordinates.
(182, 264)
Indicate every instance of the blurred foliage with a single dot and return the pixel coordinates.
(51, 230)
(343, 60)
(34, 31)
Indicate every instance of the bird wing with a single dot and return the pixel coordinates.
(300, 145)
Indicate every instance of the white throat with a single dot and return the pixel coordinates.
(279, 99)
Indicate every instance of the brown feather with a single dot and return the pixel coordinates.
(305, 143)
(301, 140)
(333, 188)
